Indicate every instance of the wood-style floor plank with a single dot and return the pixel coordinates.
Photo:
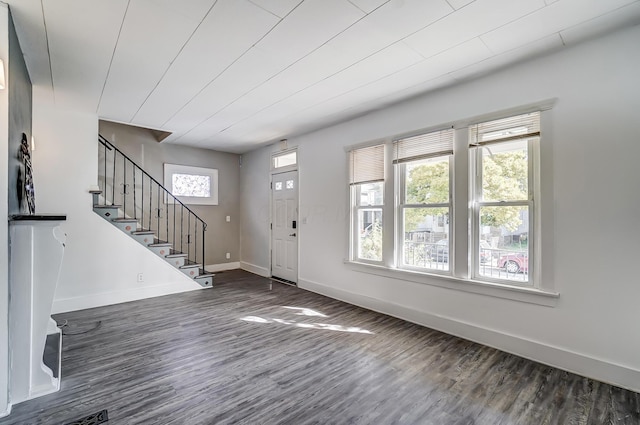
(242, 353)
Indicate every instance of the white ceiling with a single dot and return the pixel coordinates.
(232, 75)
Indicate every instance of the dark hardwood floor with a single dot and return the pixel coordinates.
(241, 353)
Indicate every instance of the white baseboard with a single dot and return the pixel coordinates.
(6, 412)
(212, 268)
(116, 297)
(260, 271)
(560, 358)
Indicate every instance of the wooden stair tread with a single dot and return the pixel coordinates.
(143, 232)
(159, 244)
(180, 255)
(107, 206)
(190, 266)
(124, 220)
(95, 192)
(205, 275)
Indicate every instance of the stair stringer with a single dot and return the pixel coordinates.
(123, 258)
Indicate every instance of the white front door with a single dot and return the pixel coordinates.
(284, 219)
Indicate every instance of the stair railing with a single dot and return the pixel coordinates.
(143, 198)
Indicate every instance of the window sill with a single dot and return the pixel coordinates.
(517, 293)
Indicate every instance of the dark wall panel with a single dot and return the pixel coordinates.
(20, 103)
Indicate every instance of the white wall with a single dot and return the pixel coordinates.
(101, 263)
(254, 212)
(591, 231)
(4, 235)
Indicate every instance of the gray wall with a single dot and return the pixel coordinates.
(140, 145)
(19, 86)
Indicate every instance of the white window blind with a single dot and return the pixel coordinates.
(367, 165)
(517, 127)
(436, 143)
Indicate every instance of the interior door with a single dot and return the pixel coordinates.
(284, 227)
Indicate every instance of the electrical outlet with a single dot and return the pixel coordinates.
(228, 219)
(228, 255)
(140, 277)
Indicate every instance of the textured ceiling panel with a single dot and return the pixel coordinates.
(156, 29)
(82, 37)
(225, 35)
(476, 19)
(553, 18)
(236, 74)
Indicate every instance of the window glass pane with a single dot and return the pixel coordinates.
(427, 181)
(191, 185)
(370, 194)
(505, 169)
(278, 185)
(370, 234)
(426, 238)
(285, 160)
(289, 184)
(504, 243)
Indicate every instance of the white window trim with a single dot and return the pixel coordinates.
(534, 185)
(511, 292)
(542, 291)
(355, 237)
(400, 173)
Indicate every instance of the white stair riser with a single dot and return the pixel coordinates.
(126, 227)
(107, 213)
(176, 261)
(144, 239)
(206, 282)
(192, 272)
(160, 250)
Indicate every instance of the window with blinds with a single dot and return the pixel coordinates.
(503, 207)
(366, 165)
(519, 127)
(367, 191)
(424, 207)
(407, 212)
(428, 145)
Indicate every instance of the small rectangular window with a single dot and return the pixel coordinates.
(191, 185)
(285, 160)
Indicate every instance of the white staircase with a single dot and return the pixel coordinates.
(131, 226)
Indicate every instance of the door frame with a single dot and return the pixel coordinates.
(273, 171)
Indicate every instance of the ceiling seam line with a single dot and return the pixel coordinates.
(172, 61)
(113, 54)
(228, 66)
(400, 40)
(274, 75)
(266, 10)
(453, 10)
(353, 64)
(363, 11)
(46, 37)
(324, 79)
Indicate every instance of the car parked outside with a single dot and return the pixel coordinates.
(485, 252)
(439, 252)
(514, 262)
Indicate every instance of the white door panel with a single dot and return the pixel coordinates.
(284, 233)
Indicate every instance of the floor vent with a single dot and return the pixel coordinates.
(285, 281)
(94, 419)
